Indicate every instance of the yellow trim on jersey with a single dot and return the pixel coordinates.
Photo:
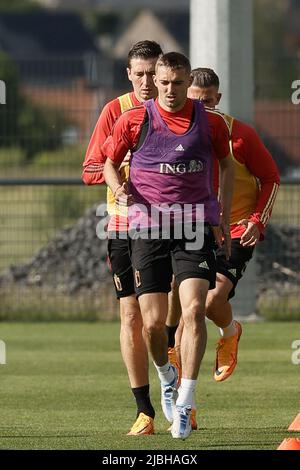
(225, 117)
(246, 186)
(125, 103)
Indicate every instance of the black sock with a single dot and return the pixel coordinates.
(143, 403)
(171, 330)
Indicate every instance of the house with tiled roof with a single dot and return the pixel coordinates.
(59, 63)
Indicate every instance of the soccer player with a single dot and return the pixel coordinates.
(256, 184)
(141, 68)
(171, 141)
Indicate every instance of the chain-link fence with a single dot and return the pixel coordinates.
(51, 263)
(281, 265)
(53, 266)
(271, 284)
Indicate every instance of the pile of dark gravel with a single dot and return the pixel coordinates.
(278, 257)
(76, 259)
(73, 260)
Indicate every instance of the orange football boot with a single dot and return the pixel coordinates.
(174, 360)
(144, 426)
(226, 355)
(193, 419)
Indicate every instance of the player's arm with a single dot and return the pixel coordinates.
(115, 149)
(220, 141)
(113, 180)
(226, 187)
(225, 197)
(124, 137)
(261, 164)
(94, 160)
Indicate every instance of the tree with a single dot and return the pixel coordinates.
(17, 5)
(33, 128)
(275, 69)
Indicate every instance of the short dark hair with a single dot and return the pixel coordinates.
(174, 60)
(144, 50)
(204, 78)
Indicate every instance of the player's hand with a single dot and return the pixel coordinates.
(251, 235)
(122, 196)
(222, 236)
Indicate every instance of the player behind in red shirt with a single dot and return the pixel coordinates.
(255, 189)
(142, 58)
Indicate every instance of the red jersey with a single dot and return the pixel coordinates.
(94, 161)
(127, 130)
(256, 178)
(94, 158)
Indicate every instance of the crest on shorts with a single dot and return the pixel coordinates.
(118, 283)
(137, 277)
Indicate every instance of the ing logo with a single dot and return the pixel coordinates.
(2, 352)
(296, 354)
(2, 92)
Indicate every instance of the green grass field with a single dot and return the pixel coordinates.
(65, 387)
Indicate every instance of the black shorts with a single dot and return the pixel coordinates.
(235, 267)
(155, 260)
(120, 266)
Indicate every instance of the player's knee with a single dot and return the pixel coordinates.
(194, 313)
(154, 329)
(131, 318)
(215, 300)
